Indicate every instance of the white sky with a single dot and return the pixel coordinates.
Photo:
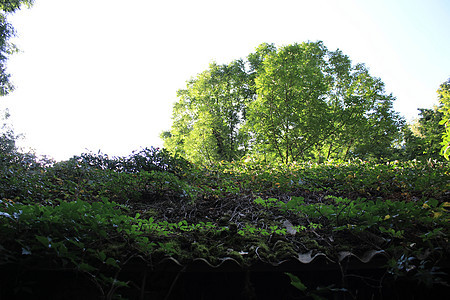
(103, 74)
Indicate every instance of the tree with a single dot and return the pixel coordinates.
(363, 123)
(423, 137)
(444, 99)
(7, 48)
(10, 6)
(313, 103)
(288, 113)
(7, 138)
(298, 102)
(209, 113)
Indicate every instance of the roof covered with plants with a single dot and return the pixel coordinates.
(97, 216)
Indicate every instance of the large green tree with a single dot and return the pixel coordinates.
(6, 47)
(287, 116)
(312, 102)
(7, 137)
(444, 99)
(297, 102)
(209, 113)
(423, 137)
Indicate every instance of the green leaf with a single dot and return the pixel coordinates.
(44, 241)
(86, 267)
(101, 255)
(317, 297)
(295, 281)
(76, 242)
(120, 283)
(432, 202)
(112, 262)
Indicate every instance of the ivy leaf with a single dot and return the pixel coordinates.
(295, 281)
(102, 256)
(44, 241)
(112, 262)
(431, 202)
(86, 267)
(76, 242)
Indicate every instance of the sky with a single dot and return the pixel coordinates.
(103, 74)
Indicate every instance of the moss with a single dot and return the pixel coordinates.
(310, 243)
(170, 248)
(284, 250)
(237, 256)
(200, 250)
(150, 213)
(260, 251)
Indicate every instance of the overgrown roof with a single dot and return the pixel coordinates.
(99, 219)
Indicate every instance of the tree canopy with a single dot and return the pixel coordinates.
(444, 99)
(209, 113)
(296, 102)
(423, 137)
(6, 47)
